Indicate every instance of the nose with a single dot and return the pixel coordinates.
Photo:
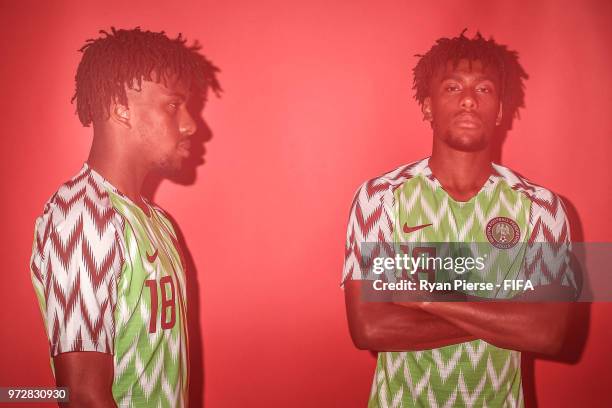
(468, 101)
(188, 126)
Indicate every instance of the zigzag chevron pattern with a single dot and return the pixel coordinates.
(474, 374)
(92, 276)
(371, 218)
(550, 241)
(76, 260)
(155, 372)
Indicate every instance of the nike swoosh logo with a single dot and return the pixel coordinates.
(153, 257)
(408, 229)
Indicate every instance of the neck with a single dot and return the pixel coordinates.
(461, 174)
(117, 165)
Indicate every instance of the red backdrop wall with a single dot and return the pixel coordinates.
(317, 99)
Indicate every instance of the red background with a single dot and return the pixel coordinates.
(317, 99)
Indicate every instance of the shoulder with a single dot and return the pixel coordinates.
(80, 207)
(547, 213)
(382, 188)
(78, 231)
(371, 216)
(541, 197)
(82, 195)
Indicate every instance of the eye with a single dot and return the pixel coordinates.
(451, 88)
(484, 89)
(173, 107)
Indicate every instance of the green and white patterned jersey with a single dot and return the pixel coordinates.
(408, 205)
(110, 278)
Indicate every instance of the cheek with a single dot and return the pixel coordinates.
(490, 110)
(489, 102)
(168, 122)
(144, 121)
(443, 110)
(160, 126)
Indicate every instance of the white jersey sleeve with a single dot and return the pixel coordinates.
(75, 265)
(372, 221)
(548, 257)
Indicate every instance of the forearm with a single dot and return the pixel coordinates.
(390, 327)
(386, 326)
(536, 327)
(88, 377)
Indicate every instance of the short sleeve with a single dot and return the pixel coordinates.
(75, 265)
(549, 249)
(370, 223)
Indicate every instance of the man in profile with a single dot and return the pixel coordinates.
(105, 264)
(457, 354)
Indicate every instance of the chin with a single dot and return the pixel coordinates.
(466, 141)
(169, 167)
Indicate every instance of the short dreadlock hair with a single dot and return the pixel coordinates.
(127, 57)
(511, 73)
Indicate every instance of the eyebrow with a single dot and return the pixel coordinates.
(176, 95)
(459, 78)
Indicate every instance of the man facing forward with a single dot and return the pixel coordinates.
(457, 354)
(105, 264)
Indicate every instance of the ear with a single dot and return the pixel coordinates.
(120, 114)
(499, 115)
(426, 109)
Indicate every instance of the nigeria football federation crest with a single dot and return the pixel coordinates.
(502, 232)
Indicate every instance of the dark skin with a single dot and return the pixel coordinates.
(464, 108)
(88, 376)
(150, 134)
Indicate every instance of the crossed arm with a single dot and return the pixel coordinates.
(410, 326)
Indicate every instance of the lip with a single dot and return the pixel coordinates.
(468, 121)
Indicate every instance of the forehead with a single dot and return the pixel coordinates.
(469, 69)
